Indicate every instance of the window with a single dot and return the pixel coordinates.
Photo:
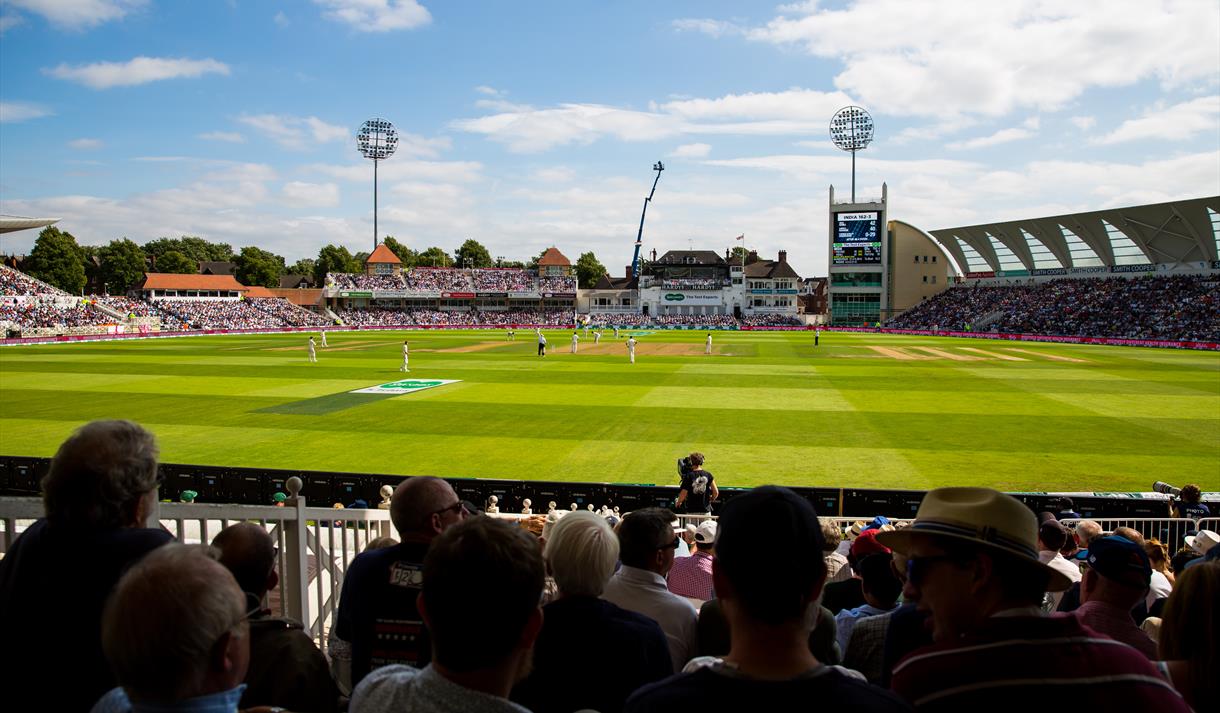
(934, 279)
(925, 258)
(925, 278)
(916, 259)
(933, 258)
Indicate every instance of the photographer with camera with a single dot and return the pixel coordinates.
(1184, 502)
(698, 488)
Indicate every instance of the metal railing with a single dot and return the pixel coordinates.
(1168, 530)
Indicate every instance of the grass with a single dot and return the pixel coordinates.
(862, 410)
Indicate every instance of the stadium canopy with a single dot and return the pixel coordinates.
(1173, 232)
(12, 223)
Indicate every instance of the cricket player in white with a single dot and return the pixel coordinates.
(707, 349)
(541, 344)
(616, 332)
(631, 349)
(597, 337)
(313, 351)
(575, 339)
(324, 338)
(406, 356)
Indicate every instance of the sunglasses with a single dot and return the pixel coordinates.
(673, 545)
(917, 567)
(457, 508)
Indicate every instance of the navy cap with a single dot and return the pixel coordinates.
(1120, 559)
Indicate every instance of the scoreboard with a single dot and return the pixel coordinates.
(857, 239)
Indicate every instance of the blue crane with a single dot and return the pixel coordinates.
(639, 237)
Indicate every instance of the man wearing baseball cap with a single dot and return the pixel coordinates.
(1116, 580)
(692, 576)
(972, 564)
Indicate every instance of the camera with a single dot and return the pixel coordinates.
(685, 466)
(1161, 486)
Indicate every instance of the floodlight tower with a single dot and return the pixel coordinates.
(377, 140)
(639, 237)
(851, 129)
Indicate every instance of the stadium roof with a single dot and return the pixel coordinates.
(11, 223)
(552, 256)
(382, 254)
(171, 281)
(1173, 232)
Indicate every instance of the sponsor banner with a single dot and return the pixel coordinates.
(778, 328)
(1133, 268)
(1216, 264)
(405, 386)
(977, 275)
(391, 294)
(355, 293)
(500, 295)
(458, 295)
(689, 298)
(785, 292)
(1088, 270)
(1012, 273)
(1050, 271)
(524, 295)
(1108, 341)
(761, 292)
(560, 295)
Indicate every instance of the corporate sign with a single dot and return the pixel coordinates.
(857, 239)
(692, 298)
(405, 386)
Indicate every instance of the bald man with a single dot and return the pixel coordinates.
(286, 669)
(377, 611)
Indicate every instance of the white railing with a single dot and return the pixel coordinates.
(1168, 530)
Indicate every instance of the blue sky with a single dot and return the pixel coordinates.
(532, 124)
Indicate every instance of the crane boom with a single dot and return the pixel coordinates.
(639, 237)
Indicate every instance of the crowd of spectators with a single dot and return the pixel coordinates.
(381, 316)
(557, 284)
(287, 313)
(439, 279)
(127, 306)
(504, 280)
(771, 319)
(1158, 307)
(349, 281)
(42, 313)
(471, 612)
(14, 283)
(620, 319)
(229, 314)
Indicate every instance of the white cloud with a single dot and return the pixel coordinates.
(403, 169)
(712, 28)
(1084, 123)
(78, 14)
(231, 137)
(311, 194)
(555, 174)
(85, 144)
(1003, 136)
(376, 15)
(280, 19)
(691, 151)
(9, 21)
(293, 132)
(141, 70)
(13, 112)
(986, 58)
(490, 91)
(542, 129)
(1176, 123)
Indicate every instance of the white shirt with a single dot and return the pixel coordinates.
(409, 690)
(1057, 562)
(645, 592)
(631, 344)
(1158, 588)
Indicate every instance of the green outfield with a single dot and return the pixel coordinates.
(860, 410)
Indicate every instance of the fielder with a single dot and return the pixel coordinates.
(324, 344)
(707, 348)
(406, 356)
(631, 350)
(616, 331)
(541, 344)
(313, 351)
(575, 339)
(597, 337)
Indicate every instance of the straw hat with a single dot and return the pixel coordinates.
(982, 516)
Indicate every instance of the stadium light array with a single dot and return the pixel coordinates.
(377, 140)
(851, 129)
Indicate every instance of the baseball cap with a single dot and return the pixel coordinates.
(866, 544)
(1120, 559)
(705, 534)
(877, 522)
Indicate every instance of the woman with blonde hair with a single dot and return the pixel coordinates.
(1189, 643)
(1158, 556)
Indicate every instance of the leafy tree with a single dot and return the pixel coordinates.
(256, 266)
(57, 260)
(737, 254)
(361, 258)
(533, 263)
(175, 262)
(510, 263)
(435, 257)
(193, 247)
(122, 265)
(90, 258)
(333, 258)
(304, 266)
(588, 270)
(472, 254)
(408, 256)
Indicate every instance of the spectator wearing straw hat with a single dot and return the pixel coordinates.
(973, 564)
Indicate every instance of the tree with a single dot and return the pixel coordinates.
(408, 256)
(435, 257)
(588, 270)
(737, 254)
(90, 258)
(57, 260)
(256, 266)
(533, 264)
(472, 254)
(175, 262)
(333, 258)
(361, 258)
(193, 247)
(304, 266)
(122, 265)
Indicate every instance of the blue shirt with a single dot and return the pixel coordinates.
(116, 701)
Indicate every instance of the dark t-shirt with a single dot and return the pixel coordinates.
(698, 487)
(377, 612)
(287, 669)
(719, 688)
(1195, 511)
(847, 594)
(592, 654)
(54, 582)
